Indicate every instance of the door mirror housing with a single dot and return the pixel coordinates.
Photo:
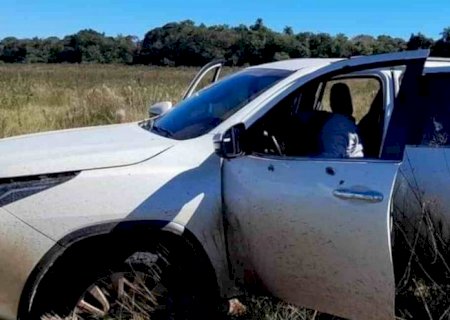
(230, 144)
(159, 108)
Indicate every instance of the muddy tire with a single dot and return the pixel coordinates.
(155, 284)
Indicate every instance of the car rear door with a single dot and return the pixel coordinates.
(316, 232)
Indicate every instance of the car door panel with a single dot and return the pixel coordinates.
(308, 246)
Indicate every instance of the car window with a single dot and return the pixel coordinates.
(319, 121)
(207, 108)
(363, 93)
(437, 103)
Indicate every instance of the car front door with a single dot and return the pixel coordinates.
(316, 232)
(211, 69)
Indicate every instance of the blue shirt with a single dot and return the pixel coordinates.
(339, 138)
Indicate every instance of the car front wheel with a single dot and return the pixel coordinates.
(147, 285)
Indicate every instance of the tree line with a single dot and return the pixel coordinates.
(187, 44)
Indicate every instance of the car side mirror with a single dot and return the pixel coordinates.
(230, 144)
(159, 108)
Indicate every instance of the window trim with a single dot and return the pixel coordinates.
(319, 159)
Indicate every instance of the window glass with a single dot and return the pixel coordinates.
(363, 92)
(209, 107)
(437, 123)
(207, 79)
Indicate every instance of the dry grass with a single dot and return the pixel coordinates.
(257, 308)
(37, 98)
(266, 308)
(421, 252)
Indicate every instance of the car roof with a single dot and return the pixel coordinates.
(437, 65)
(298, 64)
(432, 65)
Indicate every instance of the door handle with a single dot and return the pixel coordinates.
(349, 194)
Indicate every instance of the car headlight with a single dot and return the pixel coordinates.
(14, 189)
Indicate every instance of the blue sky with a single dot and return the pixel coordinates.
(42, 18)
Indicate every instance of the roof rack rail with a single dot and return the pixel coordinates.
(438, 59)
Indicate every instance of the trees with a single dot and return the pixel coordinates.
(386, 44)
(84, 46)
(419, 41)
(362, 45)
(442, 46)
(12, 50)
(186, 43)
(341, 46)
(173, 44)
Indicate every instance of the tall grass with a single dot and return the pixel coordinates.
(37, 98)
(421, 251)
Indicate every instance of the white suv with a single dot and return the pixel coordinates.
(222, 194)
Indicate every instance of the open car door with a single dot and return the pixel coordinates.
(208, 74)
(314, 231)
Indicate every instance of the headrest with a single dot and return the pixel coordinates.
(341, 99)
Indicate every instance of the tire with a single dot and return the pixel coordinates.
(153, 284)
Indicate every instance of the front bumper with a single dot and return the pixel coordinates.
(21, 248)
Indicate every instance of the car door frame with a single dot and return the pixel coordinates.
(350, 66)
(213, 66)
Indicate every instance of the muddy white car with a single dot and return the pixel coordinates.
(223, 194)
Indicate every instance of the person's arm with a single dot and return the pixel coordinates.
(334, 139)
(339, 139)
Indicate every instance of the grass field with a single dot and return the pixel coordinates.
(46, 97)
(37, 98)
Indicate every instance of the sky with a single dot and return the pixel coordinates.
(399, 18)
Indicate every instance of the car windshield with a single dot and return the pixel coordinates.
(207, 108)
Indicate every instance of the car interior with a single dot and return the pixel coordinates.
(436, 131)
(292, 128)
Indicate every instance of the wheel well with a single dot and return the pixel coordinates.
(108, 243)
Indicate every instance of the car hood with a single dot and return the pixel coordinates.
(79, 149)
